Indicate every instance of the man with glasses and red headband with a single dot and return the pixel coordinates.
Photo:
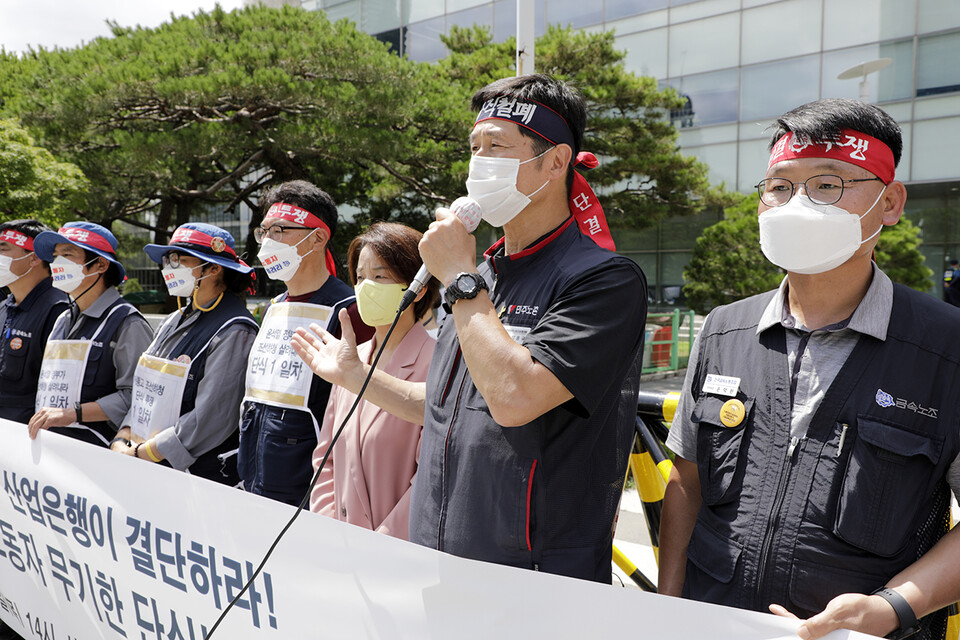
(26, 317)
(284, 402)
(817, 436)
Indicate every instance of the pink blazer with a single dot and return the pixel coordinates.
(367, 480)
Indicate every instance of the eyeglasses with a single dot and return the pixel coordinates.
(172, 260)
(274, 232)
(825, 189)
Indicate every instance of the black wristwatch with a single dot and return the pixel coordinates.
(909, 624)
(465, 286)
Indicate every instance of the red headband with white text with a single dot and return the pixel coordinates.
(552, 127)
(87, 238)
(293, 213)
(21, 240)
(850, 146)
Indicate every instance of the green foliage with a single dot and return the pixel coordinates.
(728, 264)
(897, 253)
(131, 285)
(205, 111)
(33, 184)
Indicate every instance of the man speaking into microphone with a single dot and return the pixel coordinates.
(529, 406)
(531, 396)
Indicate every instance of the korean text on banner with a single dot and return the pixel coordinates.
(85, 552)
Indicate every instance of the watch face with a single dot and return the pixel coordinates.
(466, 284)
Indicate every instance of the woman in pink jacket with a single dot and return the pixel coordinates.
(368, 478)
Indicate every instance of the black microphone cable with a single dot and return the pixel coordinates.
(316, 476)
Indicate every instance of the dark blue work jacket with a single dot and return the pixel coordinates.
(859, 498)
(25, 329)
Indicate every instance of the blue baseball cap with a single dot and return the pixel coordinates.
(86, 235)
(205, 241)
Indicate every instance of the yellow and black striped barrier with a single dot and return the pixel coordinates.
(658, 406)
(631, 570)
(650, 467)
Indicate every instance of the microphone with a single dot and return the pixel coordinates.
(468, 210)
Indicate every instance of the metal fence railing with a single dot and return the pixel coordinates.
(668, 340)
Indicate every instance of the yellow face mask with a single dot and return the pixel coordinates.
(378, 302)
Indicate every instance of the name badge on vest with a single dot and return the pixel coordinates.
(721, 385)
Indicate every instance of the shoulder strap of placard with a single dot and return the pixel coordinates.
(106, 320)
(62, 320)
(235, 320)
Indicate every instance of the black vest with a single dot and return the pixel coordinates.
(800, 522)
(210, 465)
(22, 343)
(100, 376)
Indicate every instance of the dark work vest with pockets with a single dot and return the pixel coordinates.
(211, 465)
(798, 522)
(276, 444)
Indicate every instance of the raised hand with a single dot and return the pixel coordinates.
(334, 360)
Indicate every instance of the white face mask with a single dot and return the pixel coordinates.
(492, 182)
(805, 237)
(280, 260)
(6, 275)
(180, 280)
(67, 274)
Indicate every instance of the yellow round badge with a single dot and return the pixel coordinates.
(732, 413)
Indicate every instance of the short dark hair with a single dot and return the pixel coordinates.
(28, 227)
(550, 92)
(398, 246)
(824, 119)
(111, 277)
(305, 195)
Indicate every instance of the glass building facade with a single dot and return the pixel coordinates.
(740, 63)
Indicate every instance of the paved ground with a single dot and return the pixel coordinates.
(663, 382)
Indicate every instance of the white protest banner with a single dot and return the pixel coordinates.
(88, 552)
